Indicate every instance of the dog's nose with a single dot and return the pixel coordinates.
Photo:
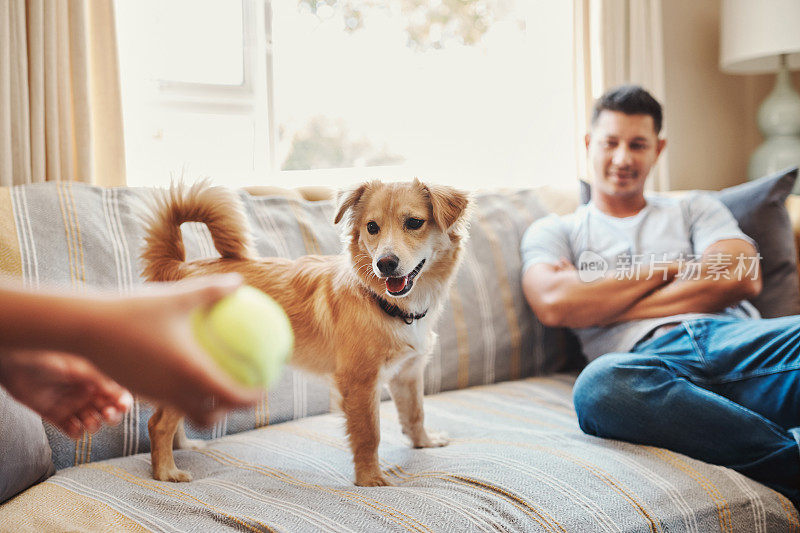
(387, 264)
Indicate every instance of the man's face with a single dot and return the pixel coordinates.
(622, 150)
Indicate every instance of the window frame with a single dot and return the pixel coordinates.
(255, 98)
(248, 98)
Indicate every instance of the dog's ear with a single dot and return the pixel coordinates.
(448, 204)
(347, 199)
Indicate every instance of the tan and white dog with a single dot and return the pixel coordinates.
(364, 317)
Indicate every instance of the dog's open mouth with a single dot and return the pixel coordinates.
(401, 286)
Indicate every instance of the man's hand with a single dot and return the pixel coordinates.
(564, 266)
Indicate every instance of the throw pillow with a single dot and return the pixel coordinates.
(24, 452)
(760, 208)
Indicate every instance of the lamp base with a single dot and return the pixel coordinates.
(774, 154)
(779, 121)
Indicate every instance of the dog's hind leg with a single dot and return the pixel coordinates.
(406, 389)
(182, 442)
(162, 427)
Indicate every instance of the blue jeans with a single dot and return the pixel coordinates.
(725, 391)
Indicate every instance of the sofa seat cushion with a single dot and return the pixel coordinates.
(517, 462)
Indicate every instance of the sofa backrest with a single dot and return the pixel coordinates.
(77, 235)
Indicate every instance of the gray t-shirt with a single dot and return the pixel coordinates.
(667, 229)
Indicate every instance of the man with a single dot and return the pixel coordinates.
(656, 290)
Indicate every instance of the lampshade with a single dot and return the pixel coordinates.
(755, 32)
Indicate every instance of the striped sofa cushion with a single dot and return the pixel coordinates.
(517, 461)
(78, 235)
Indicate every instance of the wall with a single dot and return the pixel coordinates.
(706, 112)
(710, 116)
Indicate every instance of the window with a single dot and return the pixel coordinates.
(330, 92)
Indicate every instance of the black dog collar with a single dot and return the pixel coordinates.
(393, 310)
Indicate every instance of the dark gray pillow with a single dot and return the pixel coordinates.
(759, 207)
(25, 456)
(586, 191)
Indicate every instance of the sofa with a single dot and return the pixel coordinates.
(499, 383)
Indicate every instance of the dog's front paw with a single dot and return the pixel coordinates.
(172, 474)
(431, 439)
(372, 479)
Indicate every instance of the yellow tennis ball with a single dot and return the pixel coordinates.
(248, 334)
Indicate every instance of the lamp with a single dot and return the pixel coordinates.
(759, 36)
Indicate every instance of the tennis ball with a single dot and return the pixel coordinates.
(248, 334)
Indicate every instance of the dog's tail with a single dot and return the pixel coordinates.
(218, 208)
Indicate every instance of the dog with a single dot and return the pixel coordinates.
(364, 317)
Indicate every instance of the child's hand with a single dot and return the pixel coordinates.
(65, 389)
(147, 344)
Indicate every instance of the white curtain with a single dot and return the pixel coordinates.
(617, 42)
(60, 106)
